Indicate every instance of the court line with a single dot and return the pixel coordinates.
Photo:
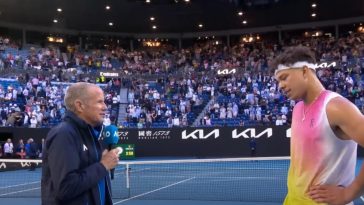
(24, 184)
(362, 198)
(210, 177)
(256, 168)
(15, 192)
(132, 171)
(206, 168)
(123, 169)
(241, 159)
(149, 192)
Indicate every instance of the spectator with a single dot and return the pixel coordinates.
(19, 146)
(8, 148)
(279, 121)
(33, 153)
(253, 147)
(33, 122)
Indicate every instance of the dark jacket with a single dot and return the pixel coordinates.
(71, 165)
(33, 150)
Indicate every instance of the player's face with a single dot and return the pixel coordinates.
(291, 83)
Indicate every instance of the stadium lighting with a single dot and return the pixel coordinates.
(240, 13)
(361, 29)
(107, 7)
(152, 18)
(200, 25)
(314, 5)
(111, 23)
(313, 14)
(55, 21)
(245, 22)
(59, 10)
(147, 1)
(154, 27)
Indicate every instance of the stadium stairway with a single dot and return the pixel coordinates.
(123, 105)
(197, 121)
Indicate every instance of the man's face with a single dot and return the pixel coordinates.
(292, 83)
(93, 107)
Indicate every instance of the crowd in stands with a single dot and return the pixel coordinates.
(166, 103)
(249, 97)
(39, 102)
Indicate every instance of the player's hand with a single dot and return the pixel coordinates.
(110, 158)
(331, 194)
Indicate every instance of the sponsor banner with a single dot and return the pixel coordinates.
(208, 142)
(326, 65)
(127, 151)
(190, 142)
(226, 71)
(109, 74)
(123, 135)
(10, 166)
(154, 134)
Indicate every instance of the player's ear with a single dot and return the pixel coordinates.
(305, 71)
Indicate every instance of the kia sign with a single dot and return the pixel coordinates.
(200, 134)
(246, 133)
(251, 133)
(226, 71)
(325, 65)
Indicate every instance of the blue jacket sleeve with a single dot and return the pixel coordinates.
(64, 160)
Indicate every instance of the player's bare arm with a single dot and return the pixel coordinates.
(348, 124)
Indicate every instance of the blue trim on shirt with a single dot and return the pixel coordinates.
(101, 184)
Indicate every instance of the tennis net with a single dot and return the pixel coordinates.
(224, 179)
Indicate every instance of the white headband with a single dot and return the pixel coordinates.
(298, 64)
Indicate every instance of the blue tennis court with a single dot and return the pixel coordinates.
(261, 181)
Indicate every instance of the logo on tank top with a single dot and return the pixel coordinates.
(312, 123)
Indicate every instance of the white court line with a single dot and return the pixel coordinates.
(227, 179)
(227, 169)
(256, 168)
(24, 184)
(132, 171)
(362, 198)
(210, 177)
(123, 169)
(19, 185)
(15, 192)
(242, 159)
(154, 176)
(153, 190)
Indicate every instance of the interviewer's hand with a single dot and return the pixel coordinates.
(110, 158)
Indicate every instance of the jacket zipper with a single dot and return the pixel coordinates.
(106, 181)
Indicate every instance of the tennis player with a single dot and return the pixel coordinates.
(326, 128)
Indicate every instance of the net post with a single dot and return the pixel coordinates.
(127, 175)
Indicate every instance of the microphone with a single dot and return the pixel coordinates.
(110, 139)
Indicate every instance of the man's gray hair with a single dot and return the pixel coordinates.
(77, 91)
